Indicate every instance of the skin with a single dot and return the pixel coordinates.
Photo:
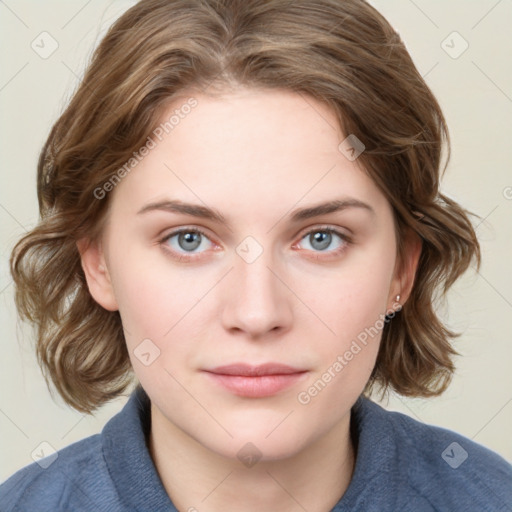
(256, 156)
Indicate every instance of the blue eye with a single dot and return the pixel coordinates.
(187, 244)
(321, 239)
(187, 240)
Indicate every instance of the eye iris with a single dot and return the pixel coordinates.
(323, 237)
(189, 238)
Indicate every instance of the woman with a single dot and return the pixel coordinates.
(296, 149)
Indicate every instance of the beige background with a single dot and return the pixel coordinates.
(475, 91)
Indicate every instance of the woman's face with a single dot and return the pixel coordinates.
(254, 278)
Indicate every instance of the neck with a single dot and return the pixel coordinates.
(198, 479)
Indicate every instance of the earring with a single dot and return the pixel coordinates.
(397, 299)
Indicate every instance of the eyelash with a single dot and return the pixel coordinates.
(321, 229)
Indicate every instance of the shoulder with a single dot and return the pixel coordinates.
(450, 471)
(70, 479)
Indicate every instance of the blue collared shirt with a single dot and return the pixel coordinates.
(401, 465)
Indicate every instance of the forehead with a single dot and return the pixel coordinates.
(284, 123)
(247, 150)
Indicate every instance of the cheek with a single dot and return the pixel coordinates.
(352, 305)
(152, 295)
(169, 305)
(352, 298)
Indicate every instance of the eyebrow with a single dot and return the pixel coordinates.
(297, 215)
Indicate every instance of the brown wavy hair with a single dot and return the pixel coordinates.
(339, 52)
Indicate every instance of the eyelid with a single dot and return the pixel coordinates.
(333, 253)
(325, 227)
(186, 229)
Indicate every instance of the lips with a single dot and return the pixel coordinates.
(247, 370)
(256, 381)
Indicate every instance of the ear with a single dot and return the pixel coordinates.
(406, 267)
(96, 273)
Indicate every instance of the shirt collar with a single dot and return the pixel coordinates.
(128, 459)
(139, 486)
(376, 460)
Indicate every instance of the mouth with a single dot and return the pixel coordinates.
(256, 381)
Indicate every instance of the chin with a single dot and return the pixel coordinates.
(251, 449)
(261, 439)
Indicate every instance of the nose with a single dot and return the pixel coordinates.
(256, 301)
